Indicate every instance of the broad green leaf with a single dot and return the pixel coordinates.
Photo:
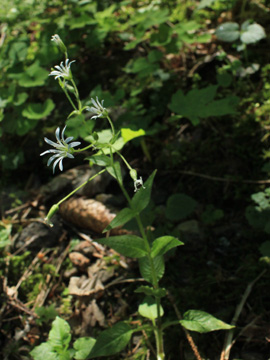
(253, 34)
(100, 160)
(59, 336)
(34, 75)
(127, 245)
(115, 171)
(148, 308)
(202, 322)
(44, 351)
(121, 218)
(83, 346)
(146, 269)
(179, 206)
(150, 291)
(163, 244)
(205, 104)
(77, 127)
(38, 111)
(111, 341)
(20, 99)
(128, 134)
(228, 32)
(142, 197)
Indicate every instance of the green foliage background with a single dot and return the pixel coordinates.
(200, 98)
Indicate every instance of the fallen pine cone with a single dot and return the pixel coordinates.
(89, 214)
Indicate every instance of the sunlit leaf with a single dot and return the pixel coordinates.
(148, 308)
(202, 322)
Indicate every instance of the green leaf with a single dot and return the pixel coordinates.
(59, 336)
(115, 171)
(202, 322)
(128, 134)
(100, 160)
(121, 218)
(5, 231)
(179, 206)
(150, 291)
(163, 244)
(265, 248)
(83, 346)
(127, 245)
(111, 341)
(205, 107)
(38, 111)
(34, 75)
(146, 270)
(228, 32)
(148, 308)
(44, 351)
(205, 3)
(20, 99)
(253, 34)
(142, 197)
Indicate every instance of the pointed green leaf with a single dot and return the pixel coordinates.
(149, 309)
(202, 322)
(115, 171)
(111, 341)
(146, 270)
(121, 218)
(142, 197)
(127, 245)
(148, 290)
(163, 244)
(59, 336)
(83, 346)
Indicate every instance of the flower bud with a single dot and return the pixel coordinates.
(56, 38)
(133, 174)
(51, 212)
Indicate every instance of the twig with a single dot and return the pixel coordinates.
(228, 343)
(215, 178)
(188, 336)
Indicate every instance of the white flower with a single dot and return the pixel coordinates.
(98, 109)
(62, 149)
(56, 38)
(62, 70)
(138, 184)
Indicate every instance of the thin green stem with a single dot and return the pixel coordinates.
(79, 187)
(83, 149)
(69, 98)
(112, 127)
(77, 95)
(125, 161)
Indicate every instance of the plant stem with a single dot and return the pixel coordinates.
(112, 127)
(77, 95)
(158, 325)
(79, 187)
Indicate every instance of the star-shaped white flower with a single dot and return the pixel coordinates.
(63, 149)
(98, 109)
(62, 70)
